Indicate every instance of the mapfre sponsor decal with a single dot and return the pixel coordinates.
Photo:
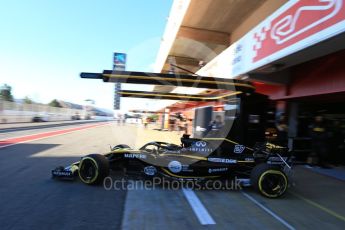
(217, 170)
(135, 155)
(222, 160)
(300, 20)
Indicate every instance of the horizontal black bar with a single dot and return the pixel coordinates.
(176, 80)
(175, 96)
(91, 75)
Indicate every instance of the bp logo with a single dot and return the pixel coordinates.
(175, 166)
(239, 149)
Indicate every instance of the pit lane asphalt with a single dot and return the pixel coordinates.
(30, 199)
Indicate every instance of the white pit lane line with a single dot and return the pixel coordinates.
(199, 209)
(275, 216)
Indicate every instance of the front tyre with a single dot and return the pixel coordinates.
(93, 168)
(270, 181)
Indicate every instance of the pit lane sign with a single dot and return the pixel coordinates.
(293, 27)
(119, 64)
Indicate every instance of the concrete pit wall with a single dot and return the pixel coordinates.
(11, 112)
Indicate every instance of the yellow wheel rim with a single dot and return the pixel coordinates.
(94, 178)
(278, 188)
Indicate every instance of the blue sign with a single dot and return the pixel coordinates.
(120, 59)
(119, 65)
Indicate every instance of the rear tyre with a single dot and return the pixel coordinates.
(268, 180)
(93, 169)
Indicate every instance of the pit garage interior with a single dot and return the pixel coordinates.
(206, 38)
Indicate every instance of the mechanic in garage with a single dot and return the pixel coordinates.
(337, 144)
(215, 125)
(319, 139)
(282, 131)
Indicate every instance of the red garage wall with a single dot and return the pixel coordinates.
(320, 76)
(273, 91)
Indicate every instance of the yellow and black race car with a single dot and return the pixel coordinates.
(237, 149)
(264, 167)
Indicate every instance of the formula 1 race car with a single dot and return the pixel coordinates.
(236, 150)
(264, 167)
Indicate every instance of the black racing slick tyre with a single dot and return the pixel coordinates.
(120, 147)
(93, 169)
(270, 181)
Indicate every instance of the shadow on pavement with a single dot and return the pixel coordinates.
(30, 199)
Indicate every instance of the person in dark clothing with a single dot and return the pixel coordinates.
(145, 122)
(282, 131)
(337, 144)
(319, 139)
(185, 126)
(215, 126)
